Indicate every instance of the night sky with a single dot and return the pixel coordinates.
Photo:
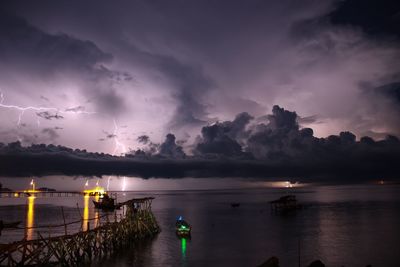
(185, 85)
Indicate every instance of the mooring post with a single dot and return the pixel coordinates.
(65, 225)
(80, 215)
(82, 247)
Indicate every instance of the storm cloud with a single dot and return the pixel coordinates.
(188, 68)
(237, 148)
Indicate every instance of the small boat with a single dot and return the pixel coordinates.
(235, 205)
(182, 228)
(106, 203)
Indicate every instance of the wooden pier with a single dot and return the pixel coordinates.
(24, 194)
(284, 204)
(87, 245)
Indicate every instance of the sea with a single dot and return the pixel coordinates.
(341, 225)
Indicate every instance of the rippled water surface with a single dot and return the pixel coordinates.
(341, 225)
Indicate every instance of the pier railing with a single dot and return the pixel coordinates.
(84, 246)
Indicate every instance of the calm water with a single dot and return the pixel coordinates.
(342, 225)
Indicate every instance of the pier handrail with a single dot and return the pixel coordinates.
(84, 246)
(58, 225)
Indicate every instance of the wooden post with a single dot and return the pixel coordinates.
(80, 215)
(65, 225)
(79, 211)
(82, 247)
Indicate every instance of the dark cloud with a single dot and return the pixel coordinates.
(167, 149)
(109, 135)
(391, 91)
(385, 104)
(375, 17)
(223, 138)
(177, 66)
(367, 159)
(191, 86)
(48, 116)
(272, 140)
(187, 83)
(144, 139)
(31, 50)
(170, 149)
(23, 42)
(309, 120)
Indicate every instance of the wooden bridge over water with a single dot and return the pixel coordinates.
(28, 193)
(74, 249)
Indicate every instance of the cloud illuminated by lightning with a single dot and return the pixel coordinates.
(118, 143)
(122, 147)
(22, 109)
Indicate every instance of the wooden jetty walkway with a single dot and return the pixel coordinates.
(87, 245)
(28, 193)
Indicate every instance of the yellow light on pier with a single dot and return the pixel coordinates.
(33, 187)
(98, 190)
(85, 212)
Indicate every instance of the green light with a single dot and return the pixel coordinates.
(183, 244)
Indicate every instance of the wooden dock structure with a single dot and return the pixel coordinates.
(284, 204)
(27, 193)
(87, 245)
(22, 194)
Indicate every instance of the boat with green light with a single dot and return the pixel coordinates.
(182, 228)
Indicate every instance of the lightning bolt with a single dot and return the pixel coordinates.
(22, 109)
(108, 183)
(118, 144)
(122, 147)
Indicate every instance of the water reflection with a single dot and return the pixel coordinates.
(183, 249)
(96, 213)
(30, 218)
(86, 200)
(340, 226)
(183, 245)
